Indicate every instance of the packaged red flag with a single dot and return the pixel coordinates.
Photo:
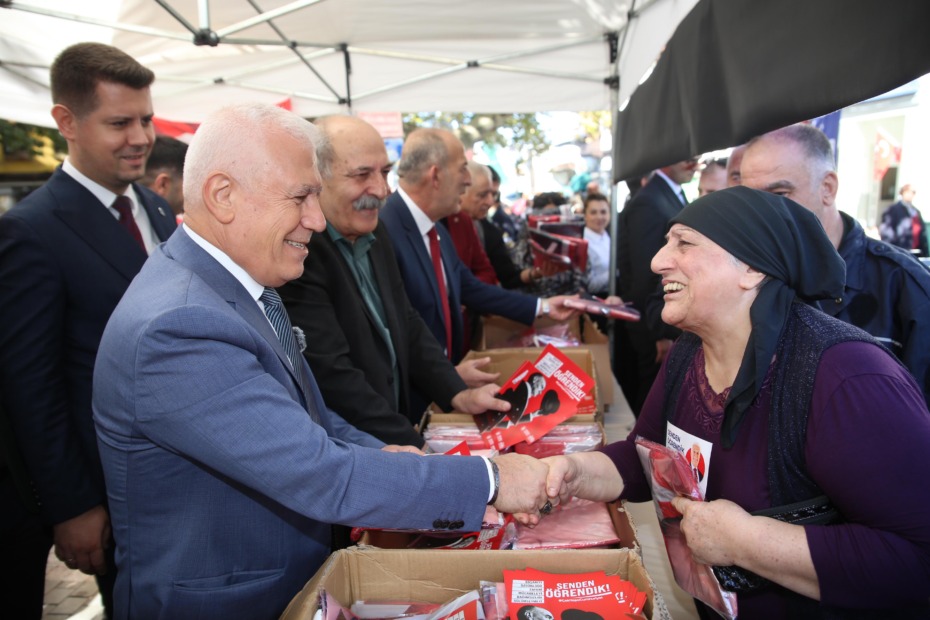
(578, 524)
(541, 394)
(554, 253)
(600, 307)
(564, 439)
(671, 476)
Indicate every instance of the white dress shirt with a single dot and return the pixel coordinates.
(106, 197)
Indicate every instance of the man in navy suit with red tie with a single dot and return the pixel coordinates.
(434, 174)
(68, 252)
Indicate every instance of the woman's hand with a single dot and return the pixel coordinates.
(721, 533)
(588, 475)
(712, 528)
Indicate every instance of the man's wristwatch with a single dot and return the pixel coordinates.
(496, 472)
(544, 307)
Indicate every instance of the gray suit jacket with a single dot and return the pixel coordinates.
(220, 485)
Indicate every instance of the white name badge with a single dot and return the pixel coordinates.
(695, 450)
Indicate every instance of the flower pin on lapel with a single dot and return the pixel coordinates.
(301, 339)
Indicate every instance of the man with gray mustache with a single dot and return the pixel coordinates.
(367, 346)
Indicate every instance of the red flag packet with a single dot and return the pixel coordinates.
(554, 253)
(671, 476)
(564, 439)
(444, 438)
(542, 394)
(578, 524)
(533, 221)
(612, 311)
(565, 595)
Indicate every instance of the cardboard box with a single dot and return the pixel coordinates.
(498, 332)
(623, 524)
(438, 576)
(598, 344)
(508, 361)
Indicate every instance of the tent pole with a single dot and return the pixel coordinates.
(348, 63)
(614, 83)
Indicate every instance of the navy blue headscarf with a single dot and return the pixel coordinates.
(783, 240)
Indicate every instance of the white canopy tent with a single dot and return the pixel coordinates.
(326, 56)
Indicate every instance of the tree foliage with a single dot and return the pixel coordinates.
(26, 140)
(519, 131)
(592, 123)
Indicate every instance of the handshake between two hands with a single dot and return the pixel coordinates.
(531, 487)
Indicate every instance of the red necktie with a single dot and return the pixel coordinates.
(436, 255)
(123, 206)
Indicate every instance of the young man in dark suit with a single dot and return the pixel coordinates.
(642, 228)
(68, 252)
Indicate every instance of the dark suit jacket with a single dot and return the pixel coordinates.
(463, 287)
(642, 227)
(349, 357)
(65, 262)
(507, 272)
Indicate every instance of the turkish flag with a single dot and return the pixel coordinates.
(886, 152)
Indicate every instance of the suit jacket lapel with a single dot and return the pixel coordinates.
(415, 239)
(182, 248)
(89, 219)
(161, 216)
(380, 255)
(449, 256)
(672, 199)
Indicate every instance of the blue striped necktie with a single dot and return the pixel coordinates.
(274, 310)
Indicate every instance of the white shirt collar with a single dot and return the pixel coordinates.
(105, 196)
(424, 224)
(675, 186)
(593, 233)
(254, 288)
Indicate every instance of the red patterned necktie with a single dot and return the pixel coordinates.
(436, 255)
(123, 206)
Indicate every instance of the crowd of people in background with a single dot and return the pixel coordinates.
(211, 353)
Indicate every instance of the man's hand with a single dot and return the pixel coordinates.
(523, 485)
(479, 400)
(557, 309)
(397, 448)
(472, 375)
(80, 542)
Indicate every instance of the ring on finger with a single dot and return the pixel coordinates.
(546, 509)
